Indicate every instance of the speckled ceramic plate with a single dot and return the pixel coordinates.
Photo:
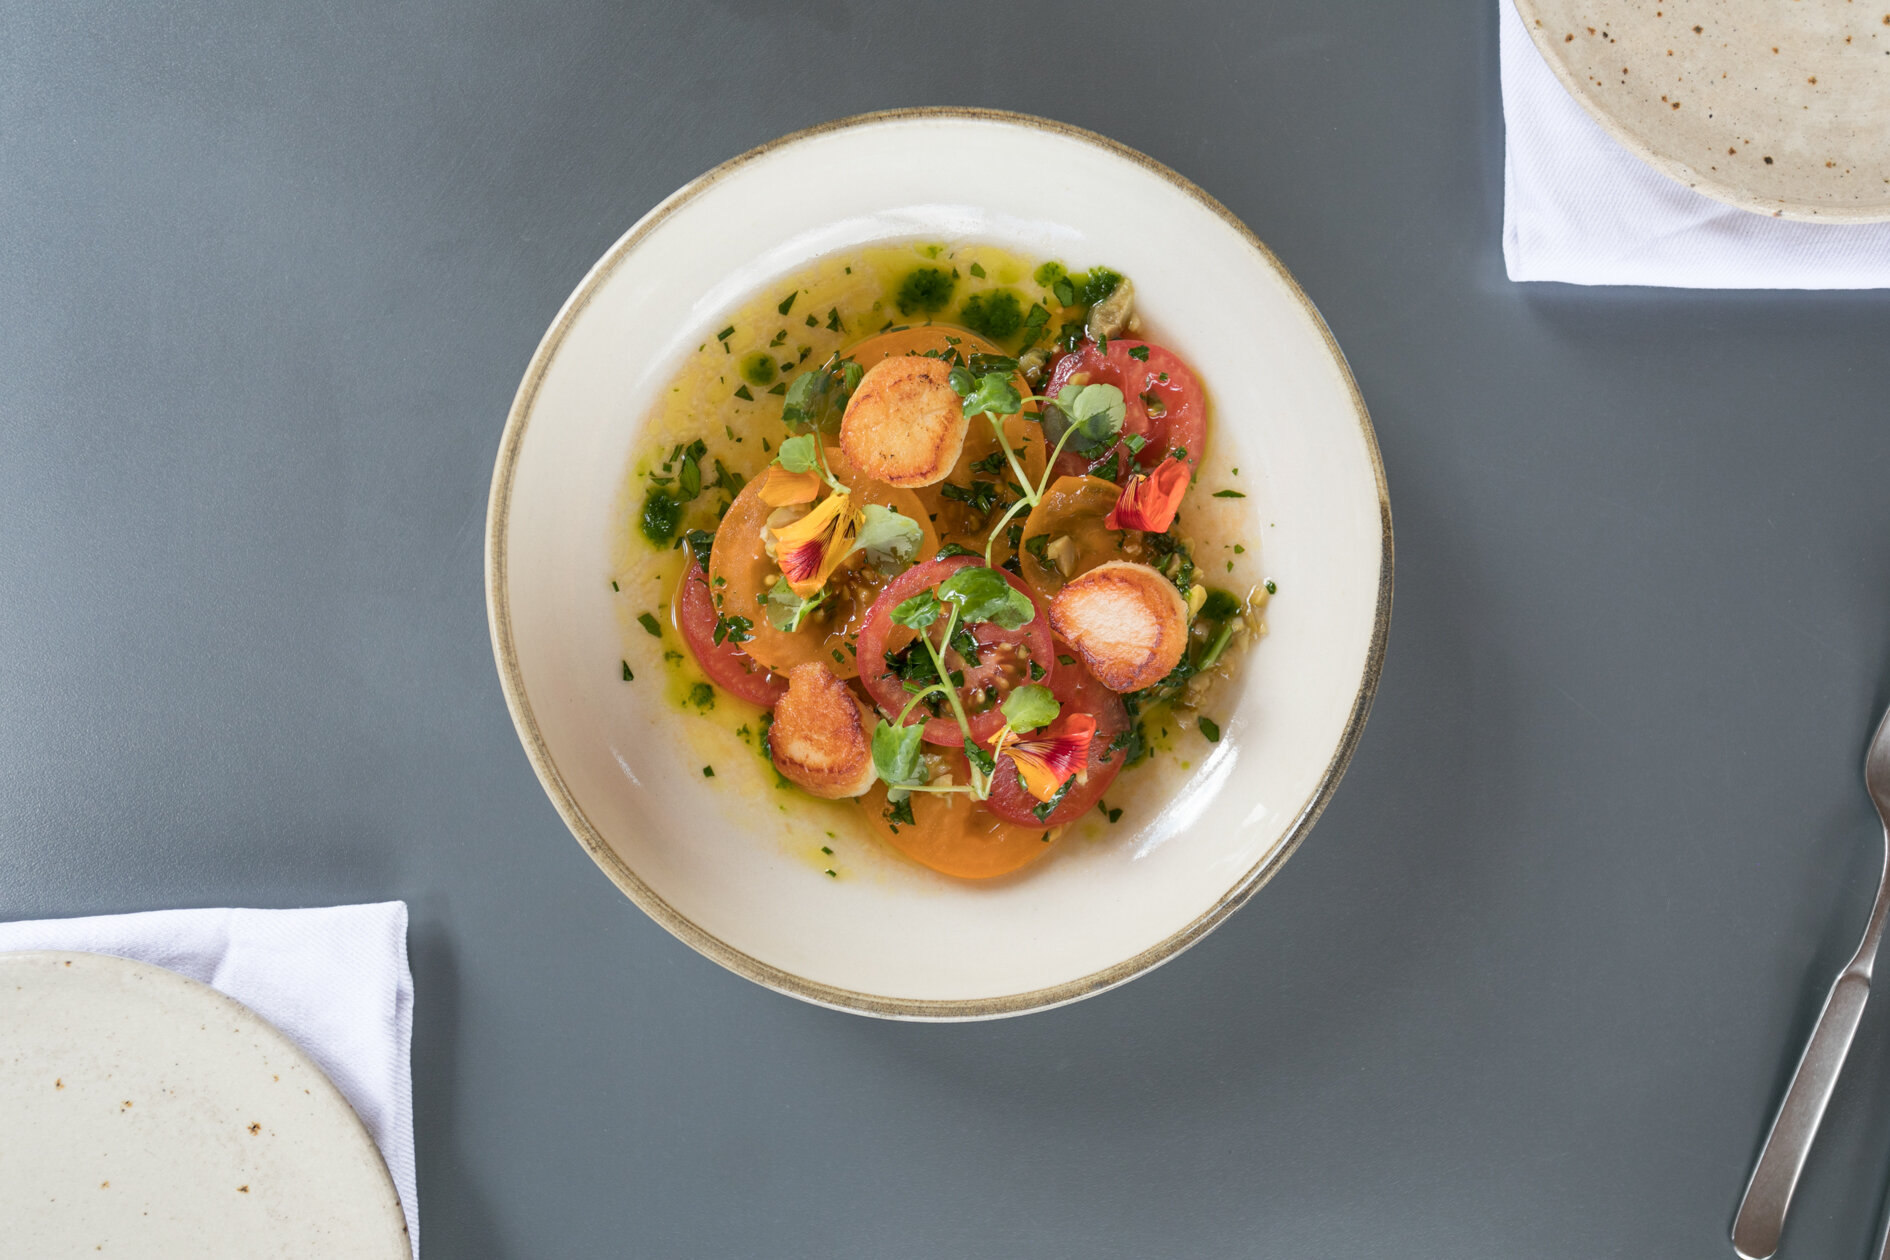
(720, 861)
(1777, 106)
(144, 1114)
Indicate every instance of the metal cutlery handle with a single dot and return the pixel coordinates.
(1762, 1212)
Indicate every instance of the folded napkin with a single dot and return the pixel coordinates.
(334, 980)
(1578, 207)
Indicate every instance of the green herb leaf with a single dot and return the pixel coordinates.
(982, 594)
(733, 629)
(995, 395)
(786, 609)
(689, 479)
(1229, 494)
(787, 303)
(890, 539)
(1097, 411)
(918, 612)
(627, 675)
(807, 399)
(977, 271)
(799, 454)
(896, 753)
(1139, 353)
(900, 812)
(953, 549)
(1029, 707)
(979, 496)
(1208, 729)
(701, 544)
(648, 622)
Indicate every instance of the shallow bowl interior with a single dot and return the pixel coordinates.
(898, 940)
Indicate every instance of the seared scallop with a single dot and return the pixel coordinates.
(905, 424)
(1127, 622)
(820, 738)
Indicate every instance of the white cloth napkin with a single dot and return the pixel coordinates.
(1578, 207)
(334, 980)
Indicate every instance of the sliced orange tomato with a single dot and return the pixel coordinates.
(955, 835)
(1073, 508)
(957, 521)
(739, 573)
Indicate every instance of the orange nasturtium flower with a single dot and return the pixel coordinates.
(782, 488)
(809, 549)
(1046, 760)
(1150, 502)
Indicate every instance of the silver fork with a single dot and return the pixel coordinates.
(1769, 1193)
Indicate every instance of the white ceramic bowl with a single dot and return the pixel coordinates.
(902, 941)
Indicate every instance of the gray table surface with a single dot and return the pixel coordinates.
(269, 275)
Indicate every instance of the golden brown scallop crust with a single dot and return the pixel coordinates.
(820, 738)
(1127, 622)
(905, 425)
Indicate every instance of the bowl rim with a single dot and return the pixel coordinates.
(498, 615)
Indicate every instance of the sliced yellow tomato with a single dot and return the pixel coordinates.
(955, 835)
(740, 574)
(1073, 509)
(957, 520)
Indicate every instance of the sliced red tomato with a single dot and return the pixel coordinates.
(727, 666)
(1003, 657)
(1162, 397)
(1077, 692)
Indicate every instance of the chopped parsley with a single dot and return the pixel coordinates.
(648, 622)
(627, 675)
(661, 514)
(995, 316)
(925, 291)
